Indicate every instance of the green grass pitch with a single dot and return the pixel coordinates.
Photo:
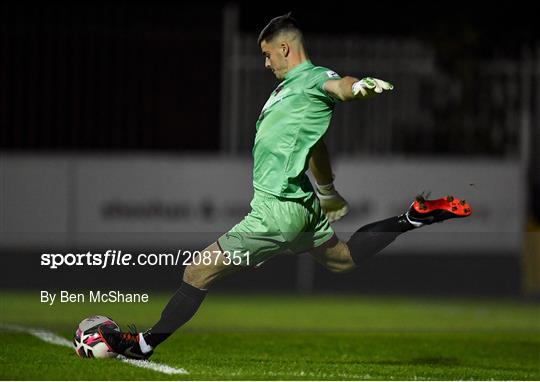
(262, 337)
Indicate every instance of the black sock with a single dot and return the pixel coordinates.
(373, 238)
(181, 307)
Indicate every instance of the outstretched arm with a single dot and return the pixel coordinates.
(349, 88)
(332, 203)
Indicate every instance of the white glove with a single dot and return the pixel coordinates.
(332, 203)
(368, 84)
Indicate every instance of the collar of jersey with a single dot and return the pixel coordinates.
(299, 68)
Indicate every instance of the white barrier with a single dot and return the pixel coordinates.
(187, 201)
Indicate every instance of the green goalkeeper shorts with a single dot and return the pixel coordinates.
(276, 225)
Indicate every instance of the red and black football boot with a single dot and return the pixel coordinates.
(125, 343)
(424, 211)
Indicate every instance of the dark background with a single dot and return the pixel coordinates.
(146, 75)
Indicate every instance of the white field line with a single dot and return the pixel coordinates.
(54, 339)
(159, 367)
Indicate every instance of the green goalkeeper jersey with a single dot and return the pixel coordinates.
(292, 121)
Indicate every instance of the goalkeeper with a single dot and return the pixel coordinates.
(287, 214)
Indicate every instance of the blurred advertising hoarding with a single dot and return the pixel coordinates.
(131, 200)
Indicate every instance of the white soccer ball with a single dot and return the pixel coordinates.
(88, 342)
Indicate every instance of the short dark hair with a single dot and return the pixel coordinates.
(277, 25)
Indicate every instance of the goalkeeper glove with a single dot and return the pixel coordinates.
(368, 84)
(332, 203)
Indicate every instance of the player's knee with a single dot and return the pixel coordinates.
(344, 264)
(336, 259)
(343, 267)
(342, 261)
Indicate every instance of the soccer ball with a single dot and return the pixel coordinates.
(88, 342)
